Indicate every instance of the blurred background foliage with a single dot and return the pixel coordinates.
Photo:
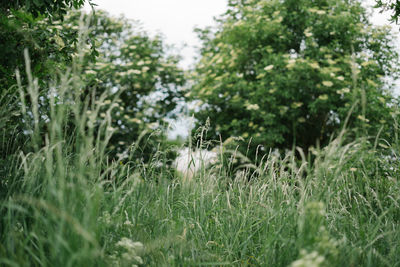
(137, 71)
(122, 66)
(390, 5)
(275, 74)
(37, 27)
(288, 73)
(42, 7)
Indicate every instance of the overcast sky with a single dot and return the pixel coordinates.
(176, 19)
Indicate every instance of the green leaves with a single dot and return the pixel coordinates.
(392, 5)
(304, 62)
(136, 69)
(42, 7)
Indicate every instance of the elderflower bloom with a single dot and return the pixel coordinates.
(253, 107)
(312, 259)
(269, 67)
(327, 83)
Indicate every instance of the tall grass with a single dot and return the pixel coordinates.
(65, 204)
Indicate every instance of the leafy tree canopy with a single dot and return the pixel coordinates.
(35, 25)
(392, 5)
(287, 73)
(138, 69)
(41, 7)
(50, 45)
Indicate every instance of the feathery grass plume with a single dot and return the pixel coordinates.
(51, 202)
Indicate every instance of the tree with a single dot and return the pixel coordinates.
(36, 26)
(41, 7)
(287, 73)
(140, 72)
(393, 5)
(50, 45)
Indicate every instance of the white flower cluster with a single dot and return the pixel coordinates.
(312, 259)
(131, 254)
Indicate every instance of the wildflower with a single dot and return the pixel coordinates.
(317, 11)
(260, 76)
(135, 120)
(296, 104)
(323, 97)
(343, 91)
(269, 67)
(362, 118)
(314, 65)
(133, 72)
(327, 83)
(372, 83)
(59, 40)
(130, 245)
(252, 107)
(133, 250)
(90, 72)
(100, 64)
(367, 63)
(307, 32)
(153, 125)
(312, 259)
(105, 218)
(330, 61)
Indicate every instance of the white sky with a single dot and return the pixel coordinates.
(176, 19)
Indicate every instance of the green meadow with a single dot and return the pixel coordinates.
(87, 171)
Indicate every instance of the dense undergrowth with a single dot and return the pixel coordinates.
(65, 203)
